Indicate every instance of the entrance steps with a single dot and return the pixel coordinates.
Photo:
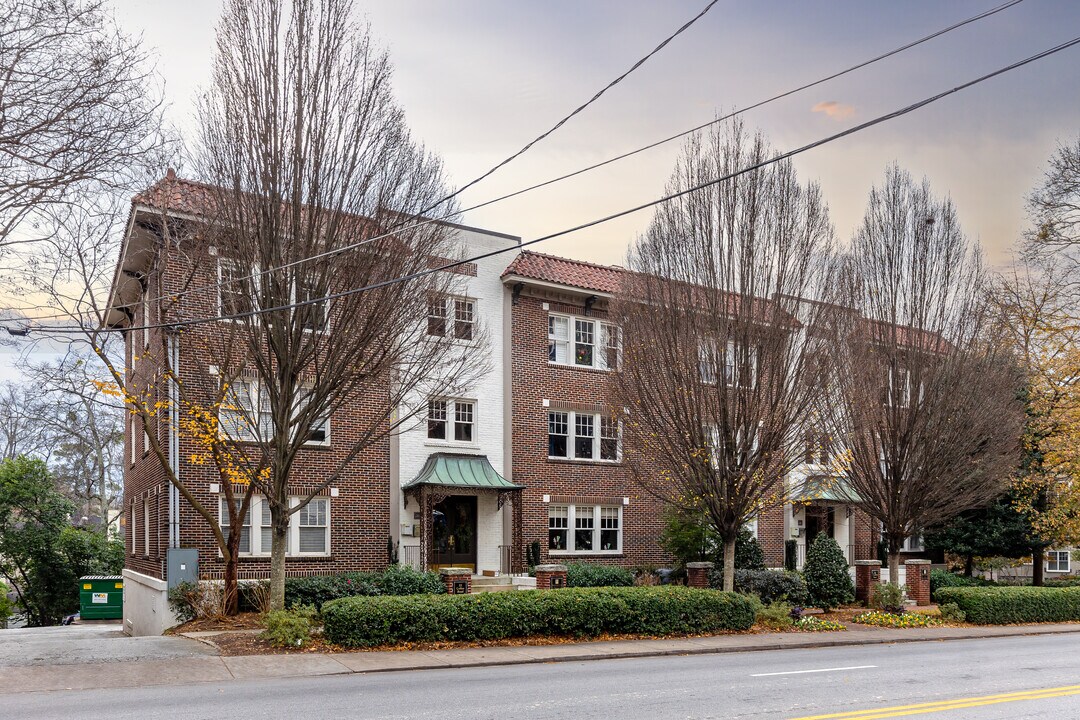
(501, 583)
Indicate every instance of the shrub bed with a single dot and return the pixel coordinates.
(578, 612)
(1004, 605)
(395, 580)
(769, 585)
(581, 575)
(810, 623)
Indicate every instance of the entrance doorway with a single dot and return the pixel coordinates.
(819, 520)
(453, 533)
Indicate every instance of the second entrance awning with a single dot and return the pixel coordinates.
(825, 489)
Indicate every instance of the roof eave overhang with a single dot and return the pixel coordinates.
(512, 279)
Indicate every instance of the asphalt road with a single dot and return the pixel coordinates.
(991, 678)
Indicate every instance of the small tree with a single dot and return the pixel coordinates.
(998, 529)
(826, 572)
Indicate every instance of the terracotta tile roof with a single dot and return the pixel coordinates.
(176, 195)
(562, 271)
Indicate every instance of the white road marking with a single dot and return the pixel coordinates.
(802, 672)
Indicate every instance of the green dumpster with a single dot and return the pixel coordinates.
(101, 597)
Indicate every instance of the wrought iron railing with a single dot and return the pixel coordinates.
(410, 556)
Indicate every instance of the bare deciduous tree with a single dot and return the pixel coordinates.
(923, 393)
(77, 108)
(1055, 205)
(307, 152)
(721, 335)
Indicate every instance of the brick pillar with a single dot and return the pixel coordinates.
(918, 580)
(458, 581)
(697, 574)
(550, 577)
(867, 573)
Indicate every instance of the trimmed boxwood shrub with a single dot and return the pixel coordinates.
(580, 575)
(944, 578)
(826, 574)
(1004, 605)
(578, 612)
(395, 580)
(769, 585)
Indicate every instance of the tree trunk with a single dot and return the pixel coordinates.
(1037, 565)
(729, 564)
(278, 543)
(969, 565)
(894, 566)
(231, 596)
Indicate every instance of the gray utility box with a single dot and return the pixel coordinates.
(182, 565)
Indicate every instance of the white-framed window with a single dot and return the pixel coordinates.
(134, 517)
(134, 446)
(313, 527)
(146, 525)
(913, 543)
(453, 316)
(583, 436)
(819, 449)
(1058, 561)
(583, 342)
(734, 373)
(236, 288)
(316, 315)
(245, 414)
(452, 420)
(584, 529)
(146, 318)
(901, 391)
(145, 440)
(309, 527)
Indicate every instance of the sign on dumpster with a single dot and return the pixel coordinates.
(100, 599)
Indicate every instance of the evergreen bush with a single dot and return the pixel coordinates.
(594, 575)
(826, 573)
(1006, 605)
(887, 597)
(769, 585)
(396, 580)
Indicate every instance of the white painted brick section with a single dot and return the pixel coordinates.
(414, 447)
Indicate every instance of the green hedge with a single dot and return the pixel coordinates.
(944, 578)
(1004, 605)
(578, 612)
(580, 575)
(396, 580)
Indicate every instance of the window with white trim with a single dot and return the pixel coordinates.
(452, 420)
(236, 288)
(913, 543)
(593, 343)
(134, 517)
(146, 318)
(245, 526)
(596, 529)
(739, 369)
(1058, 561)
(583, 436)
(313, 527)
(245, 414)
(266, 528)
(315, 315)
(451, 315)
(146, 525)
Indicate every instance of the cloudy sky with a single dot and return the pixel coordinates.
(479, 78)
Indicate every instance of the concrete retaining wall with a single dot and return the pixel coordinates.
(146, 605)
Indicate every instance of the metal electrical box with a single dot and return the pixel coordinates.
(181, 565)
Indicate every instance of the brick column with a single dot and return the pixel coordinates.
(918, 580)
(867, 573)
(458, 581)
(697, 574)
(550, 577)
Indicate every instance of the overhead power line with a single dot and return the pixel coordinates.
(399, 228)
(607, 218)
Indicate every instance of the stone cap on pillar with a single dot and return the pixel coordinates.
(454, 571)
(870, 562)
(918, 561)
(704, 565)
(550, 568)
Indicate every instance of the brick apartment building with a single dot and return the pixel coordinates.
(530, 453)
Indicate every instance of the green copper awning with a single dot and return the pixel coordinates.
(460, 471)
(825, 489)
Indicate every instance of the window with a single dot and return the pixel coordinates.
(436, 419)
(134, 516)
(597, 529)
(245, 414)
(235, 288)
(558, 434)
(314, 527)
(1057, 561)
(462, 413)
(451, 315)
(132, 437)
(913, 543)
(901, 391)
(585, 443)
(595, 344)
(463, 421)
(707, 363)
(145, 440)
(146, 317)
(558, 339)
(584, 435)
(740, 368)
(583, 342)
(308, 534)
(818, 449)
(608, 357)
(558, 527)
(313, 316)
(146, 526)
(245, 528)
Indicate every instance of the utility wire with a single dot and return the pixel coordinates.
(602, 163)
(622, 213)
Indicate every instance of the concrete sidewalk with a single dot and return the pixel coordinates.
(183, 670)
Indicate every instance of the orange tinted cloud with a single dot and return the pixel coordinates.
(833, 109)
